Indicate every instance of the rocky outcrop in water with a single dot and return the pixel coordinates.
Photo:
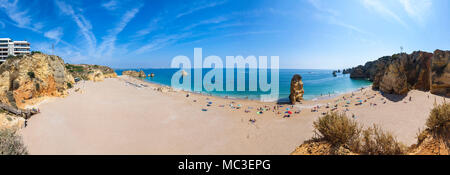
(296, 89)
(400, 73)
(133, 73)
(27, 77)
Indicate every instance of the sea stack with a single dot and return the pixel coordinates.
(296, 89)
(184, 73)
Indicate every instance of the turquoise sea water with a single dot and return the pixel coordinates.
(316, 82)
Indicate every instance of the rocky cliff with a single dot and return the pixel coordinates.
(91, 72)
(400, 73)
(134, 73)
(30, 76)
(440, 73)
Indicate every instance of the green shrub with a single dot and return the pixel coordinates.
(34, 52)
(337, 129)
(69, 85)
(11, 143)
(31, 74)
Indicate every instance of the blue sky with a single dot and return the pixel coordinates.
(320, 34)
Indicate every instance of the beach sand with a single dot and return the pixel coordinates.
(129, 116)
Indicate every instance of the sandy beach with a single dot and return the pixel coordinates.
(128, 116)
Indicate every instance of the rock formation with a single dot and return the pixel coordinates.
(320, 148)
(400, 73)
(184, 73)
(296, 89)
(440, 73)
(95, 75)
(133, 73)
(27, 77)
(91, 72)
(430, 145)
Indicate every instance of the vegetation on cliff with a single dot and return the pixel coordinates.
(11, 143)
(435, 139)
(336, 134)
(90, 72)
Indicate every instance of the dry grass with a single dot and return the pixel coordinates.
(11, 143)
(439, 121)
(375, 141)
(336, 129)
(340, 131)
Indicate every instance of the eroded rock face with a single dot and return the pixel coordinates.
(91, 72)
(320, 148)
(296, 89)
(133, 73)
(31, 76)
(394, 79)
(402, 72)
(431, 145)
(95, 75)
(440, 76)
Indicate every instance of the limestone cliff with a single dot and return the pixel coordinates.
(440, 73)
(133, 73)
(31, 76)
(400, 73)
(91, 72)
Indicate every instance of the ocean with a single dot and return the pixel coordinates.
(316, 83)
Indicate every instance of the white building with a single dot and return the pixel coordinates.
(9, 47)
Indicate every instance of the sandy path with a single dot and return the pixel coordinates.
(114, 117)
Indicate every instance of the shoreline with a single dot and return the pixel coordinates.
(279, 100)
(126, 115)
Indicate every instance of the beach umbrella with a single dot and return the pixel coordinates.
(289, 112)
(360, 101)
(287, 109)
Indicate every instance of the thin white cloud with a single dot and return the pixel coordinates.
(152, 26)
(417, 9)
(108, 43)
(319, 6)
(250, 33)
(111, 5)
(216, 20)
(82, 23)
(381, 9)
(55, 34)
(201, 7)
(2, 25)
(160, 42)
(20, 17)
(332, 16)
